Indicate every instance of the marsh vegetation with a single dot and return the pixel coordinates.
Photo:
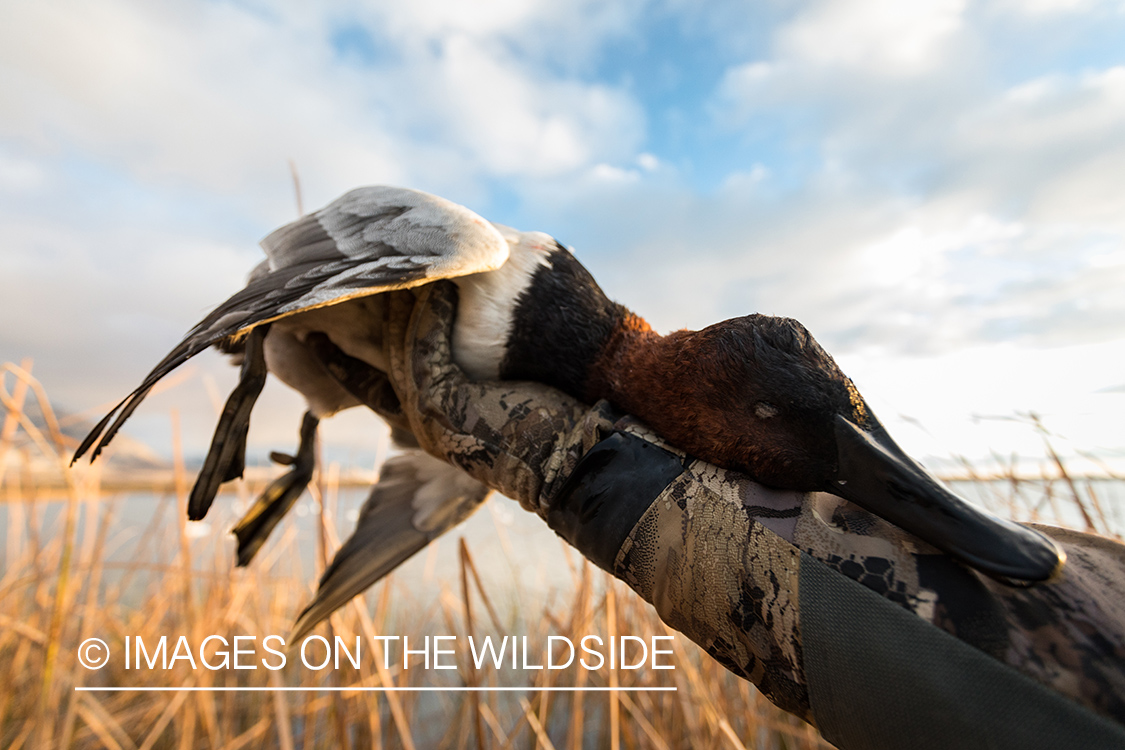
(86, 557)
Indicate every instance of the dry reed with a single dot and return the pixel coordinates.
(70, 574)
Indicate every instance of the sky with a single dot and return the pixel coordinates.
(934, 188)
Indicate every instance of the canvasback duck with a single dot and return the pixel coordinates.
(756, 394)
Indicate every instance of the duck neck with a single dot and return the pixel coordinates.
(628, 371)
(561, 327)
(660, 380)
(574, 338)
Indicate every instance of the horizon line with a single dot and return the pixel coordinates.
(366, 689)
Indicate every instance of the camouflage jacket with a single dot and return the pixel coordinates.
(836, 615)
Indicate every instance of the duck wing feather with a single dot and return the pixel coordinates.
(370, 240)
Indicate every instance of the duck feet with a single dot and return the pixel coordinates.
(226, 459)
(272, 505)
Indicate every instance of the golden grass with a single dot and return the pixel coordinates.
(62, 582)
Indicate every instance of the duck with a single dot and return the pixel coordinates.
(756, 394)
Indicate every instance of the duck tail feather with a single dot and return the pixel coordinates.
(96, 432)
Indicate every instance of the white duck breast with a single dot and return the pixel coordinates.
(487, 302)
(355, 326)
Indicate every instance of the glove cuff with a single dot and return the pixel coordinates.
(607, 492)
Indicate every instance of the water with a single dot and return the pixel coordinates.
(1051, 502)
(523, 565)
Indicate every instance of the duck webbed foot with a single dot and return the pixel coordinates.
(226, 459)
(272, 505)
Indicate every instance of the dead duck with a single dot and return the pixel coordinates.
(756, 393)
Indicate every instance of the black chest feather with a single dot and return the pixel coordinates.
(561, 322)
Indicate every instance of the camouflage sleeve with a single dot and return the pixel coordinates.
(515, 437)
(731, 564)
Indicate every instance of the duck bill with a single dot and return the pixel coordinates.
(877, 475)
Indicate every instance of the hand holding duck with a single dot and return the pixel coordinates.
(756, 394)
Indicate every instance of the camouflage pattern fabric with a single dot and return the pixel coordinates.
(518, 438)
(719, 556)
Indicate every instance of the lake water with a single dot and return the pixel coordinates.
(522, 563)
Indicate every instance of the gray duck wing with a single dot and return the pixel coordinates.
(416, 499)
(370, 240)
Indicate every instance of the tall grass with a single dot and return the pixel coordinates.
(70, 573)
(64, 580)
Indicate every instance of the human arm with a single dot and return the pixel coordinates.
(836, 615)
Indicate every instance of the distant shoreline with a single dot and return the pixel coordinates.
(52, 486)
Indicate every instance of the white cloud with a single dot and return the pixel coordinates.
(205, 95)
(745, 180)
(1052, 110)
(221, 97)
(883, 36)
(143, 148)
(943, 210)
(609, 173)
(986, 281)
(648, 162)
(20, 175)
(998, 380)
(566, 34)
(933, 209)
(514, 124)
(910, 254)
(1057, 142)
(439, 17)
(1039, 8)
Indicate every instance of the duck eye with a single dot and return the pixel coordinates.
(764, 410)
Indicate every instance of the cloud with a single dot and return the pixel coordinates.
(906, 179)
(200, 94)
(1056, 144)
(19, 175)
(143, 147)
(880, 36)
(562, 35)
(512, 124)
(1040, 8)
(943, 208)
(221, 96)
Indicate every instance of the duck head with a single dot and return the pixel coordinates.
(758, 394)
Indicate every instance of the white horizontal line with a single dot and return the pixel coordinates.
(375, 689)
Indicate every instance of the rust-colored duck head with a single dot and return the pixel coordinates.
(758, 394)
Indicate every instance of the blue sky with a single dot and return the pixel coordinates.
(934, 188)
